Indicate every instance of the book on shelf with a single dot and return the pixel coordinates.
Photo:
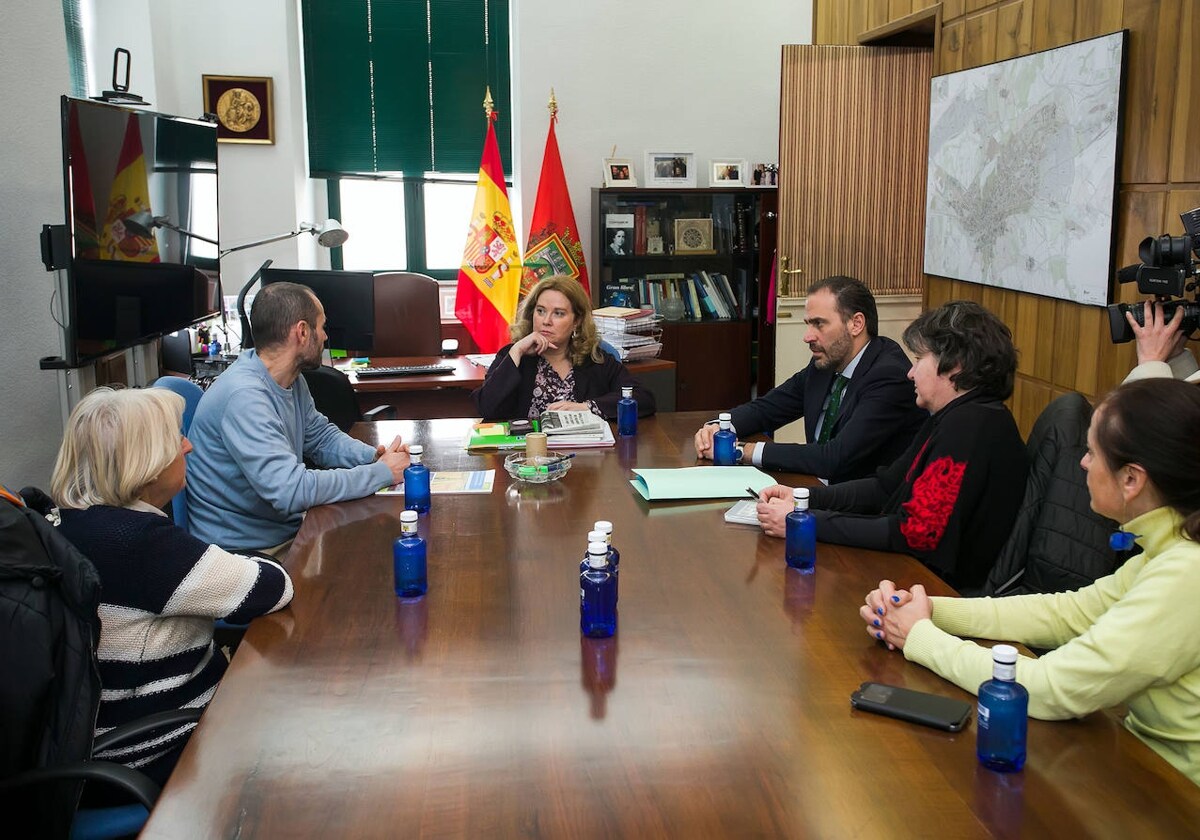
(622, 293)
(708, 306)
(639, 229)
(618, 234)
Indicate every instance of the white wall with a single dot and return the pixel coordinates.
(33, 64)
(671, 75)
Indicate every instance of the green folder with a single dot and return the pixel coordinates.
(699, 482)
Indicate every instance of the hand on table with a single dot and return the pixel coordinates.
(567, 405)
(396, 456)
(890, 613)
(1158, 339)
(704, 440)
(775, 503)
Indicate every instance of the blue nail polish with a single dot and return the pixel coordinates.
(879, 610)
(877, 622)
(895, 599)
(878, 635)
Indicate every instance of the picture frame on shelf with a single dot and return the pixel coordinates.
(618, 234)
(694, 236)
(727, 172)
(618, 172)
(244, 106)
(670, 169)
(764, 175)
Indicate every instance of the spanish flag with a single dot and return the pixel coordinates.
(553, 246)
(130, 194)
(489, 278)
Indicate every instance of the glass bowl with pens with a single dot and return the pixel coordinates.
(537, 469)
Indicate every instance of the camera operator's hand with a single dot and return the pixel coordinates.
(1159, 340)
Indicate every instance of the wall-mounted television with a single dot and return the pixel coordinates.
(1023, 156)
(141, 199)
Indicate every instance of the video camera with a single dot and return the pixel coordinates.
(1168, 270)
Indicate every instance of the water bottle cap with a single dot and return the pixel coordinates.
(408, 516)
(416, 449)
(595, 536)
(626, 391)
(597, 547)
(800, 493)
(725, 415)
(1004, 654)
(603, 525)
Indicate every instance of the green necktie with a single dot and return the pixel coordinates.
(831, 411)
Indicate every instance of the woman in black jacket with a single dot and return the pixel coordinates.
(555, 361)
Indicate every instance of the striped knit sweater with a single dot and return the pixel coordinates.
(161, 588)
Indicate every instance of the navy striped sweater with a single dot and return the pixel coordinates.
(161, 588)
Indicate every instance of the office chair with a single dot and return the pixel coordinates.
(408, 315)
(1058, 542)
(191, 393)
(610, 350)
(334, 397)
(50, 691)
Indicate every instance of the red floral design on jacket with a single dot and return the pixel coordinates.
(934, 495)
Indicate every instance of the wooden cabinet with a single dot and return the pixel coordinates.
(701, 258)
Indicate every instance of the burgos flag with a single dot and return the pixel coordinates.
(489, 278)
(553, 246)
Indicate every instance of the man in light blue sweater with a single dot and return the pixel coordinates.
(247, 485)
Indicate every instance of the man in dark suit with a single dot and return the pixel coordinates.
(859, 407)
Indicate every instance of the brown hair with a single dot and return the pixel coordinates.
(1155, 423)
(585, 343)
(962, 332)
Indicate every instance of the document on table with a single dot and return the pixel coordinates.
(450, 482)
(699, 482)
(744, 512)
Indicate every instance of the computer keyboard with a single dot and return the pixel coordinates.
(402, 370)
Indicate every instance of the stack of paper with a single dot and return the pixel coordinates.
(495, 435)
(633, 333)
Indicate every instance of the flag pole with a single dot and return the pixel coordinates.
(488, 102)
(552, 106)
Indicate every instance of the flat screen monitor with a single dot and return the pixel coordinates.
(141, 198)
(348, 298)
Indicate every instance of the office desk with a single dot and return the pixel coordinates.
(721, 708)
(431, 396)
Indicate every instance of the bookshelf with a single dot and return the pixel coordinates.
(701, 258)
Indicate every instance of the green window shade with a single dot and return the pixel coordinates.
(397, 85)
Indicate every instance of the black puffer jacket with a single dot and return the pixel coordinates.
(49, 684)
(1059, 543)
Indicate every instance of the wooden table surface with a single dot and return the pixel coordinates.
(721, 708)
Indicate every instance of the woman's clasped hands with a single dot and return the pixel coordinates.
(890, 613)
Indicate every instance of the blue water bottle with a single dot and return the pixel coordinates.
(627, 413)
(801, 542)
(1003, 715)
(725, 441)
(593, 536)
(416, 482)
(597, 595)
(408, 559)
(606, 528)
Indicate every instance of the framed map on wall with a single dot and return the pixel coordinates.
(1022, 177)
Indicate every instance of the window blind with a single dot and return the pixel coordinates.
(398, 85)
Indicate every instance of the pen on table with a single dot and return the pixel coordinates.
(754, 494)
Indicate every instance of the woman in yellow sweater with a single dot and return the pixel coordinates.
(1132, 637)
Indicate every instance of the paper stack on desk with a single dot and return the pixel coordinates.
(699, 482)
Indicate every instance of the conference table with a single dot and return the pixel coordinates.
(720, 708)
(435, 395)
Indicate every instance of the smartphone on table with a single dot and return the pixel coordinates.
(914, 706)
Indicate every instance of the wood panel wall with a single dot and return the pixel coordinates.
(1064, 346)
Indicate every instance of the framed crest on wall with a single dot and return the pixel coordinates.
(243, 106)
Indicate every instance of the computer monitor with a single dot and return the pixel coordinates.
(348, 298)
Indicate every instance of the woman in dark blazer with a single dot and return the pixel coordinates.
(555, 361)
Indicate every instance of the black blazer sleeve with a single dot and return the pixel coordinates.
(781, 405)
(507, 390)
(602, 382)
(874, 413)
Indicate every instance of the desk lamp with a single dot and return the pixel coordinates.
(331, 234)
